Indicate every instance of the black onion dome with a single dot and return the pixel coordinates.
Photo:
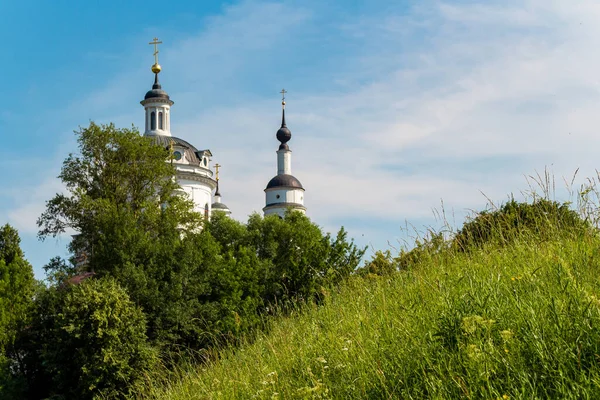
(283, 134)
(156, 92)
(284, 180)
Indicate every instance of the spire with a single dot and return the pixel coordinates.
(283, 134)
(217, 205)
(283, 92)
(217, 166)
(156, 83)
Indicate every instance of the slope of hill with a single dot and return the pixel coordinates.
(520, 320)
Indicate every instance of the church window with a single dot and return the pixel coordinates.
(153, 121)
(160, 120)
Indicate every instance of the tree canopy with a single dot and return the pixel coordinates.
(17, 286)
(120, 191)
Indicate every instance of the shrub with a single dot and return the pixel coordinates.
(89, 341)
(543, 218)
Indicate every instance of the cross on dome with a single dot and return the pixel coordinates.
(156, 67)
(217, 166)
(283, 92)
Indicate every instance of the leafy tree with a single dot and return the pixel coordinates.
(118, 189)
(59, 270)
(17, 286)
(89, 341)
(122, 199)
(302, 261)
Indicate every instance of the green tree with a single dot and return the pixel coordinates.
(17, 286)
(121, 198)
(302, 262)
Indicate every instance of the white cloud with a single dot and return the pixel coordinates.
(31, 203)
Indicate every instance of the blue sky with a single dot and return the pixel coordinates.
(394, 106)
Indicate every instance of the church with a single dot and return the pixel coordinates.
(194, 168)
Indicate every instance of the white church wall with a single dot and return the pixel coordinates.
(198, 193)
(284, 162)
(286, 195)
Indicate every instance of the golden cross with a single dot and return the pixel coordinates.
(155, 42)
(283, 92)
(217, 166)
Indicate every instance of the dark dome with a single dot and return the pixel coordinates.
(190, 152)
(284, 180)
(283, 134)
(220, 206)
(156, 94)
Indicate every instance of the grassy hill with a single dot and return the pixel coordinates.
(505, 319)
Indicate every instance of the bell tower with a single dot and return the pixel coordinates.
(284, 190)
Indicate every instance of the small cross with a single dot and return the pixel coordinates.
(217, 166)
(283, 92)
(155, 42)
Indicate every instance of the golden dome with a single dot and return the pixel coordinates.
(156, 68)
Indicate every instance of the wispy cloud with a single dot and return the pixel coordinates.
(391, 110)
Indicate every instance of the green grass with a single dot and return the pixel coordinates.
(516, 321)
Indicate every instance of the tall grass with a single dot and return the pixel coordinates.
(507, 319)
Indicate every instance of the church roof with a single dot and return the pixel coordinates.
(156, 92)
(283, 134)
(219, 206)
(284, 180)
(191, 153)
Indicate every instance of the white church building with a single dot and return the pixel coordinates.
(193, 166)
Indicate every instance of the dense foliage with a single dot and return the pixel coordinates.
(17, 287)
(89, 340)
(120, 191)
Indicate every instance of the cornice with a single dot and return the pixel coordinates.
(198, 178)
(284, 205)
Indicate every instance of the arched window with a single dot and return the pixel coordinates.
(153, 121)
(160, 120)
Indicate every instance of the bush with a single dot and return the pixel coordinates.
(89, 341)
(543, 219)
